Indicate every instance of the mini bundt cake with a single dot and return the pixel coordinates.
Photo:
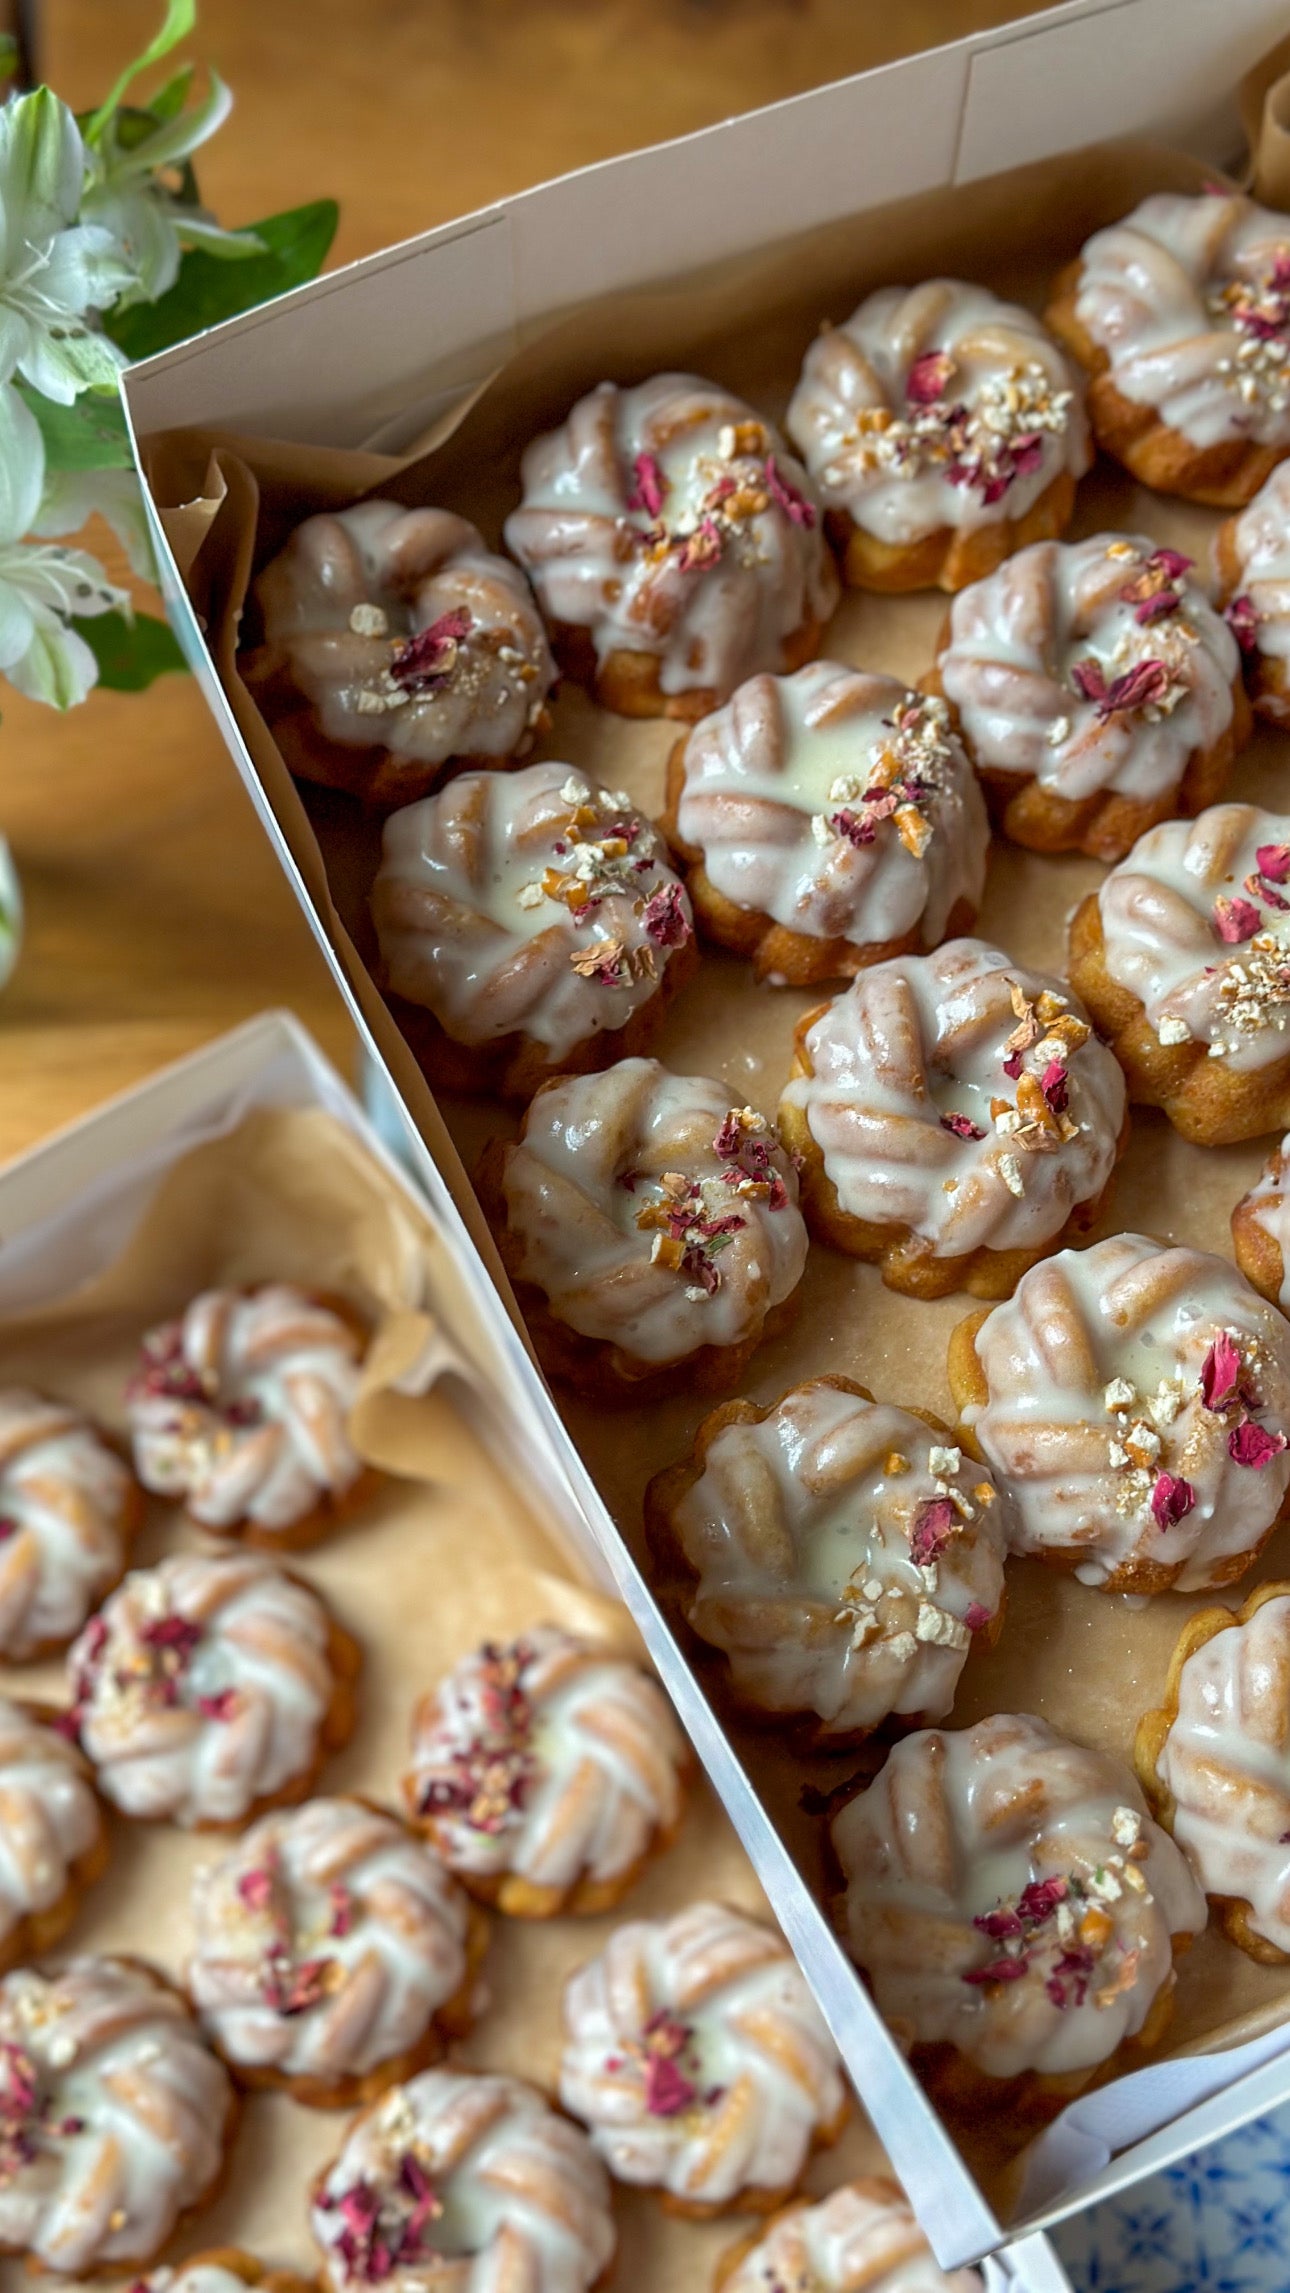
(529, 926)
(953, 1117)
(651, 1230)
(699, 2062)
(839, 1552)
(241, 1407)
(1134, 1402)
(1183, 958)
(1180, 317)
(1261, 1229)
(53, 1844)
(395, 645)
(114, 2115)
(468, 2180)
(863, 2238)
(1214, 1761)
(1015, 1908)
(68, 1513)
(332, 1953)
(943, 429)
(1097, 692)
(547, 1773)
(1252, 561)
(675, 546)
(827, 820)
(209, 1688)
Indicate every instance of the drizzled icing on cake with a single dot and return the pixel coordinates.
(49, 1817)
(64, 1497)
(1090, 665)
(400, 627)
(845, 1554)
(1138, 1409)
(936, 406)
(548, 1758)
(531, 901)
(105, 2086)
(963, 1096)
(240, 1407)
(1190, 300)
(697, 2058)
(1259, 612)
(201, 1686)
(672, 520)
(861, 2239)
(471, 2178)
(1226, 1763)
(1196, 923)
(837, 803)
(325, 1942)
(652, 1213)
(1007, 1892)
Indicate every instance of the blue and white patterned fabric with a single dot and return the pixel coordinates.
(1217, 2223)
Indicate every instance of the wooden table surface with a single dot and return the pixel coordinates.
(156, 915)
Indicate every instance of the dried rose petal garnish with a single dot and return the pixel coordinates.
(1141, 687)
(429, 658)
(663, 917)
(651, 487)
(1055, 1085)
(1274, 862)
(1041, 1897)
(786, 496)
(701, 548)
(928, 376)
(1220, 1372)
(1171, 1500)
(1235, 920)
(962, 1127)
(978, 1616)
(934, 1523)
(1242, 617)
(1251, 1444)
(999, 1970)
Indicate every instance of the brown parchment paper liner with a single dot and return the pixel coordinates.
(437, 1560)
(1087, 1663)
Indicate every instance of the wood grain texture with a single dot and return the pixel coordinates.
(156, 914)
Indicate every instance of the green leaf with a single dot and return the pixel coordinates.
(208, 290)
(131, 653)
(90, 434)
(180, 18)
(8, 56)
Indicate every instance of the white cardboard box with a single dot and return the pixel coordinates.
(73, 1202)
(368, 356)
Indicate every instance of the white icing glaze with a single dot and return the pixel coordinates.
(63, 1502)
(920, 1040)
(344, 573)
(1160, 926)
(697, 2057)
(1082, 1458)
(104, 2072)
(1060, 607)
(1261, 539)
(1271, 1200)
(196, 2277)
(775, 799)
(955, 1827)
(587, 1201)
(861, 2239)
(240, 1408)
(523, 2202)
(49, 1817)
(800, 1531)
(548, 1758)
(232, 1634)
(331, 1904)
(712, 580)
(882, 449)
(1226, 1761)
(1152, 294)
(527, 901)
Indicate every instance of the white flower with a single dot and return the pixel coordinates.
(71, 498)
(10, 913)
(42, 587)
(54, 272)
(127, 196)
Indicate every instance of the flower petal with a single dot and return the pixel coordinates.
(57, 667)
(22, 466)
